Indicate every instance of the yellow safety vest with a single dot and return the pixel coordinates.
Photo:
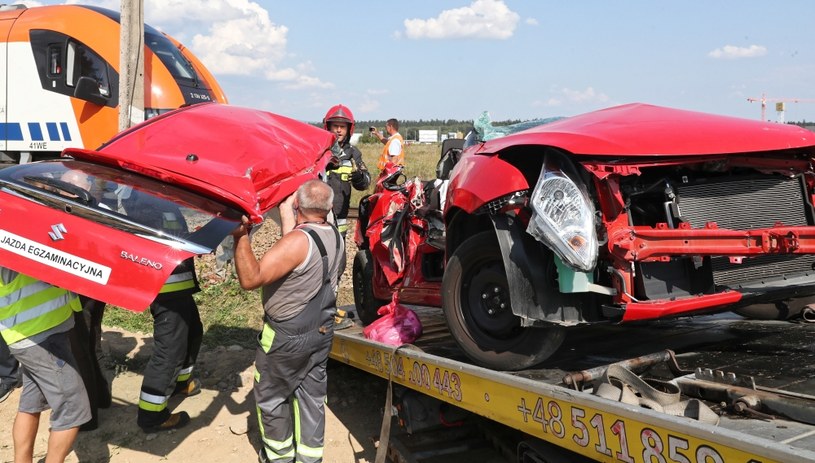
(29, 307)
(383, 158)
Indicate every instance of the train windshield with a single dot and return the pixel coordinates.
(170, 55)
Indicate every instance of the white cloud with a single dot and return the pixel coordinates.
(242, 40)
(370, 102)
(483, 19)
(302, 81)
(184, 11)
(531, 21)
(368, 105)
(734, 52)
(238, 37)
(565, 95)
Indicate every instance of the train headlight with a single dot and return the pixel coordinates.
(150, 113)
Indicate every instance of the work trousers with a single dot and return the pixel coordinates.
(9, 367)
(291, 385)
(177, 334)
(99, 394)
(94, 311)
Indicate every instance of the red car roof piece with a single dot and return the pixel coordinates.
(645, 130)
(249, 158)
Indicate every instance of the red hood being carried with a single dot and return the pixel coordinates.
(248, 158)
(644, 130)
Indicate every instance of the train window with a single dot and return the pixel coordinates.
(61, 60)
(83, 62)
(170, 56)
(54, 61)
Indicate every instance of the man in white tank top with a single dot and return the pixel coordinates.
(298, 277)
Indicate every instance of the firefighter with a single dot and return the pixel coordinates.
(346, 169)
(177, 334)
(298, 277)
(177, 328)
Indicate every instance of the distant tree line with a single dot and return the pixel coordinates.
(809, 125)
(410, 128)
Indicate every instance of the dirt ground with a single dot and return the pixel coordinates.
(224, 426)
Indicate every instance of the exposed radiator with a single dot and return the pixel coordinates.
(748, 203)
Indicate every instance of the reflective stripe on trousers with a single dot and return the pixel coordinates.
(342, 226)
(177, 333)
(291, 382)
(290, 391)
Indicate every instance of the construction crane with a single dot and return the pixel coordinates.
(779, 105)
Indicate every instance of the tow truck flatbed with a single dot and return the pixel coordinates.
(776, 355)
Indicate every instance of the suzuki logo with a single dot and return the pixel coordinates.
(57, 231)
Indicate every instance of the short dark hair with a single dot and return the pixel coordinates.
(393, 123)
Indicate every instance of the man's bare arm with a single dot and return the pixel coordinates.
(286, 254)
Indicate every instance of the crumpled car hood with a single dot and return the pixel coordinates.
(645, 130)
(248, 158)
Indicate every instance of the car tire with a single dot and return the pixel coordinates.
(362, 278)
(474, 288)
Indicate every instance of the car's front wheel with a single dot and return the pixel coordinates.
(477, 306)
(362, 278)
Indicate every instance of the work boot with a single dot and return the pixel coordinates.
(188, 388)
(175, 421)
(341, 320)
(262, 458)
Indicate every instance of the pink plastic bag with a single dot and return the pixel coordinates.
(397, 325)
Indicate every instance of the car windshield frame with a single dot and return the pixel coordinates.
(126, 201)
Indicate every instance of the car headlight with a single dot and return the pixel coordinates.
(563, 219)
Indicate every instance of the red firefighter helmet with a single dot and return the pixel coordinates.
(340, 113)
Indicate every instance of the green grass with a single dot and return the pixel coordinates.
(231, 315)
(420, 161)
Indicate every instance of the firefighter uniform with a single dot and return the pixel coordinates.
(345, 170)
(350, 171)
(177, 334)
(290, 377)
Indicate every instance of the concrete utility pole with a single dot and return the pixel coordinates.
(131, 64)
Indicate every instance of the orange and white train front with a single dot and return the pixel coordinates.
(59, 79)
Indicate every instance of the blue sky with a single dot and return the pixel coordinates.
(423, 59)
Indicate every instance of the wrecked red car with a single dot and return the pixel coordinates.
(635, 212)
(112, 224)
